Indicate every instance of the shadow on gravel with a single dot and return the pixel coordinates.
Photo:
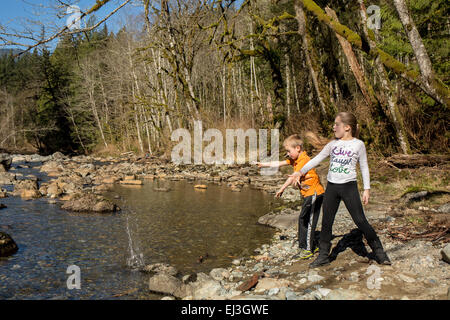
(354, 241)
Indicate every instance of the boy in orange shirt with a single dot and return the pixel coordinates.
(311, 190)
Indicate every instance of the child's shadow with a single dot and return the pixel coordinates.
(352, 240)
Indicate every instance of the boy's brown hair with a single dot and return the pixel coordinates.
(293, 141)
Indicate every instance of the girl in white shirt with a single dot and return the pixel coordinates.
(345, 152)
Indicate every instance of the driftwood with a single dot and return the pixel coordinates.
(433, 235)
(417, 160)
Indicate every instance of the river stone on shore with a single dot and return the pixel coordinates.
(7, 245)
(5, 162)
(285, 220)
(445, 252)
(166, 284)
(26, 188)
(90, 203)
(7, 178)
(160, 268)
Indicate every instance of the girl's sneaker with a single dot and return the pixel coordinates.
(303, 254)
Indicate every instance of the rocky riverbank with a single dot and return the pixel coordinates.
(420, 268)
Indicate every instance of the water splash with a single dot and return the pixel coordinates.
(136, 258)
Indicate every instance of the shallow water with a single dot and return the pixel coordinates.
(175, 227)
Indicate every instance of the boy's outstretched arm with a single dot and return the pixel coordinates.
(272, 164)
(285, 185)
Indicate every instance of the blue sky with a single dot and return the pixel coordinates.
(16, 14)
(19, 13)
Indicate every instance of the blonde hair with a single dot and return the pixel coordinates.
(293, 141)
(349, 119)
(319, 142)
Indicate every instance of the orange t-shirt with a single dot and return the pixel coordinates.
(311, 181)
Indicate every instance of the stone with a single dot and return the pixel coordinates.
(281, 221)
(445, 208)
(165, 284)
(406, 278)
(20, 185)
(290, 295)
(2, 206)
(210, 289)
(219, 274)
(7, 178)
(445, 253)
(5, 162)
(30, 194)
(354, 277)
(7, 245)
(58, 156)
(53, 191)
(89, 203)
(313, 276)
(270, 283)
(110, 180)
(167, 298)
(133, 182)
(236, 262)
(414, 196)
(343, 294)
(160, 268)
(200, 186)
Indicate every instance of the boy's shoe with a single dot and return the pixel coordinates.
(303, 254)
(322, 260)
(316, 250)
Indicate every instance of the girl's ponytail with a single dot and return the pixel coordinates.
(315, 140)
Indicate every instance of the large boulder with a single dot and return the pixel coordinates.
(445, 252)
(7, 178)
(5, 162)
(26, 188)
(7, 245)
(90, 203)
(285, 220)
(167, 284)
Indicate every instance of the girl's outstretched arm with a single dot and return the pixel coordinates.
(317, 159)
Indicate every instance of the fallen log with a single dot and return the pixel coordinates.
(417, 160)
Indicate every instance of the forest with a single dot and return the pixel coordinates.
(288, 64)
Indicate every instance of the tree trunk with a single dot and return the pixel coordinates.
(354, 65)
(310, 61)
(396, 116)
(425, 66)
(440, 92)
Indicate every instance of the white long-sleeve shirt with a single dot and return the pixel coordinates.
(344, 155)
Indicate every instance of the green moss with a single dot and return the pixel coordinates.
(97, 5)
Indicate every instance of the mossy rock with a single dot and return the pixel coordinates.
(7, 245)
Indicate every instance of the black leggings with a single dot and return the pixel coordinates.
(349, 193)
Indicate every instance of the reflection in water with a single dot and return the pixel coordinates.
(193, 230)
